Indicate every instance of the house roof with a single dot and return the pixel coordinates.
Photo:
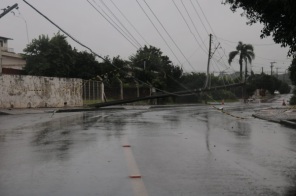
(5, 38)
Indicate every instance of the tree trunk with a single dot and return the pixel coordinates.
(241, 72)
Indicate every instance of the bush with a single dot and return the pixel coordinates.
(293, 100)
(284, 88)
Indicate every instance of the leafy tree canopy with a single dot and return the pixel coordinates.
(151, 66)
(266, 82)
(113, 69)
(55, 57)
(245, 53)
(292, 70)
(277, 16)
(194, 80)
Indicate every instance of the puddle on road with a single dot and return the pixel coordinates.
(57, 138)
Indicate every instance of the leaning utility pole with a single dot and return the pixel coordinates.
(6, 11)
(209, 60)
(271, 66)
(206, 86)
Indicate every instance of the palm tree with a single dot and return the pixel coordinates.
(246, 54)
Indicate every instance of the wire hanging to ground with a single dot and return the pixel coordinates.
(223, 111)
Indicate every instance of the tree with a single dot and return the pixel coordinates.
(246, 54)
(284, 88)
(266, 82)
(292, 70)
(151, 66)
(49, 57)
(113, 69)
(85, 66)
(279, 20)
(277, 16)
(55, 57)
(194, 80)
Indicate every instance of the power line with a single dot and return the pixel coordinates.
(158, 31)
(131, 36)
(81, 44)
(221, 56)
(199, 17)
(26, 25)
(169, 35)
(235, 42)
(113, 25)
(189, 28)
(129, 22)
(205, 16)
(210, 28)
(193, 24)
(273, 59)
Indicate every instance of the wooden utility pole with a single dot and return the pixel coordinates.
(209, 60)
(271, 66)
(6, 11)
(208, 67)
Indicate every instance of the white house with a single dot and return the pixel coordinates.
(8, 58)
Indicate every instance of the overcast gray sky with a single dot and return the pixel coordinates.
(185, 43)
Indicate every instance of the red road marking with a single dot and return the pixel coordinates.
(138, 186)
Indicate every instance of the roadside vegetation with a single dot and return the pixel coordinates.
(268, 83)
(246, 54)
(54, 57)
(279, 21)
(292, 70)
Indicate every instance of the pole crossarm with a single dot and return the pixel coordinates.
(8, 9)
(180, 93)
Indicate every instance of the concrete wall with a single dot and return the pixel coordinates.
(19, 91)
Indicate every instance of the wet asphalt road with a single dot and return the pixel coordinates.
(195, 150)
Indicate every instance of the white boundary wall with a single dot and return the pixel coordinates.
(21, 91)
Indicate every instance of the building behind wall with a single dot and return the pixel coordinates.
(9, 60)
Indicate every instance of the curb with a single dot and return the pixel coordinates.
(267, 119)
(74, 110)
(288, 123)
(4, 113)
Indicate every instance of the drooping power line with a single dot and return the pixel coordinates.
(158, 32)
(129, 22)
(118, 20)
(114, 25)
(169, 35)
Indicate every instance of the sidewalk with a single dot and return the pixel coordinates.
(283, 115)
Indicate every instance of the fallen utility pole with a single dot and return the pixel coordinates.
(209, 60)
(8, 9)
(174, 94)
